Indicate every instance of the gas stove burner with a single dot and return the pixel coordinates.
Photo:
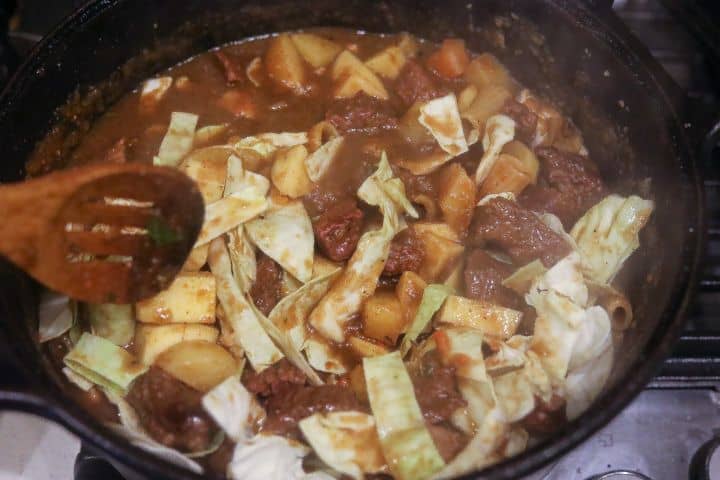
(621, 475)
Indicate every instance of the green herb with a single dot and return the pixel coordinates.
(161, 233)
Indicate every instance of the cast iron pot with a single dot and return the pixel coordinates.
(577, 54)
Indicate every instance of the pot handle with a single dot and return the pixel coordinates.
(89, 466)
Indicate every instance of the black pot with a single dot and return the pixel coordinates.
(578, 54)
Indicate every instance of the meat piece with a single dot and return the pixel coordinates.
(266, 292)
(448, 440)
(406, 254)
(546, 417)
(285, 410)
(274, 380)
(436, 389)
(171, 411)
(230, 69)
(517, 231)
(361, 113)
(525, 120)
(337, 230)
(414, 83)
(568, 185)
(415, 184)
(483, 277)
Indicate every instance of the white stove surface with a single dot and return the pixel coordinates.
(32, 448)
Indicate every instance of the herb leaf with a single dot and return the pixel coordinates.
(161, 233)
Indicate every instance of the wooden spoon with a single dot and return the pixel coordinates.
(105, 233)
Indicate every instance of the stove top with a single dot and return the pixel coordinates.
(671, 430)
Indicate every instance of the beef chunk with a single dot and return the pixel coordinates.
(525, 120)
(483, 277)
(436, 388)
(286, 409)
(517, 231)
(266, 292)
(337, 230)
(568, 185)
(448, 440)
(230, 69)
(274, 380)
(406, 254)
(546, 417)
(415, 184)
(361, 113)
(171, 411)
(415, 83)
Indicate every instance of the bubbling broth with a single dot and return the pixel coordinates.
(405, 269)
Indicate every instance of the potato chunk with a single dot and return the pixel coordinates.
(352, 76)
(388, 62)
(383, 318)
(456, 197)
(366, 348)
(486, 70)
(489, 101)
(198, 363)
(316, 50)
(189, 299)
(152, 340)
(409, 291)
(441, 252)
(288, 173)
(285, 66)
(493, 320)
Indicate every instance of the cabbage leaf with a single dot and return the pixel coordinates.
(112, 322)
(432, 299)
(318, 162)
(268, 457)
(234, 409)
(56, 315)
(608, 234)
(178, 140)
(104, 363)
(346, 441)
(359, 279)
(408, 447)
(499, 130)
(442, 119)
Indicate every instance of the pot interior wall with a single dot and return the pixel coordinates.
(549, 46)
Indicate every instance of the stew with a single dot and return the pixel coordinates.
(405, 269)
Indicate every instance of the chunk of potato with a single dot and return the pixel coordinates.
(352, 76)
(382, 318)
(440, 229)
(485, 70)
(409, 45)
(316, 50)
(208, 167)
(366, 348)
(441, 255)
(388, 62)
(488, 102)
(189, 299)
(526, 157)
(456, 197)
(152, 340)
(507, 175)
(288, 172)
(493, 320)
(152, 93)
(209, 134)
(200, 364)
(409, 291)
(285, 66)
(357, 382)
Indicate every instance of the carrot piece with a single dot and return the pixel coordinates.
(451, 60)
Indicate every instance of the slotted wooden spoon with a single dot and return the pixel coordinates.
(113, 233)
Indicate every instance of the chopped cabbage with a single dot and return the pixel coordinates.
(346, 441)
(359, 279)
(240, 181)
(268, 457)
(265, 144)
(318, 163)
(227, 213)
(521, 280)
(608, 234)
(239, 312)
(290, 314)
(442, 119)
(506, 356)
(583, 385)
(323, 357)
(432, 299)
(408, 447)
(178, 140)
(112, 322)
(499, 130)
(104, 363)
(153, 90)
(208, 134)
(242, 257)
(284, 233)
(56, 315)
(234, 409)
